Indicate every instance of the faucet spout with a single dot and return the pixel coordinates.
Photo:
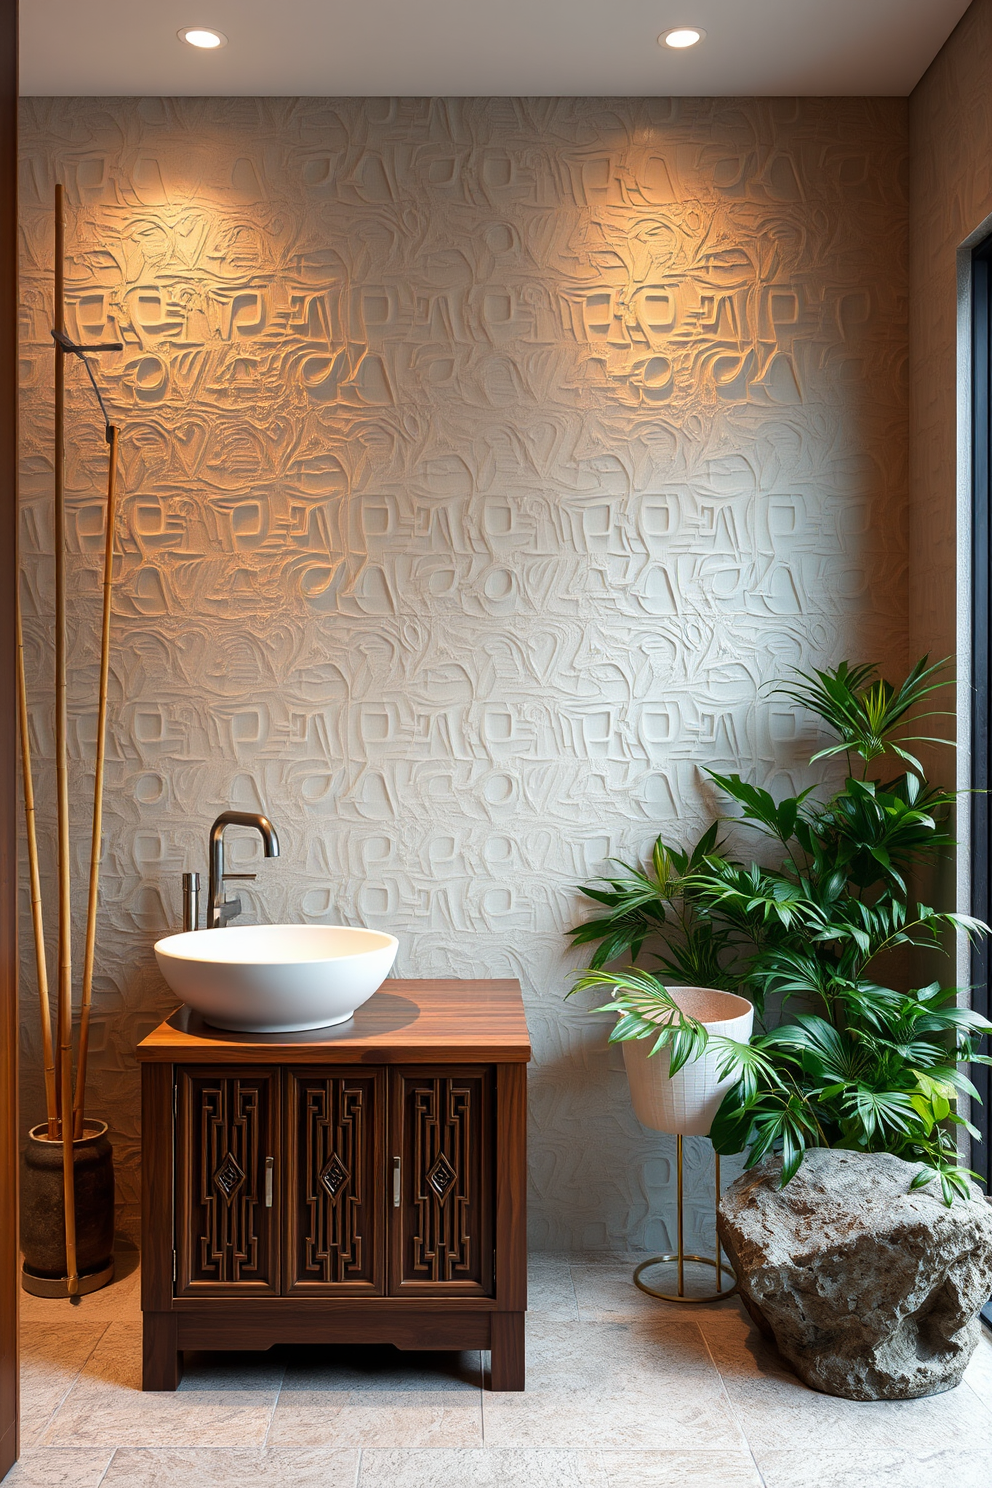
(219, 909)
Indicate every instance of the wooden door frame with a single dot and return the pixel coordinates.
(981, 667)
(9, 1144)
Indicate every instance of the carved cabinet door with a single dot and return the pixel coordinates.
(335, 1126)
(441, 1180)
(227, 1193)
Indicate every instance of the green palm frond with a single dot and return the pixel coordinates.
(855, 1063)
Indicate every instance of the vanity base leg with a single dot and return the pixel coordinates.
(162, 1360)
(507, 1369)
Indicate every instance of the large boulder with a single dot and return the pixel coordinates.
(871, 1290)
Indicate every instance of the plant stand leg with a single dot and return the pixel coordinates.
(679, 1257)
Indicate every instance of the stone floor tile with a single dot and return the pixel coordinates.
(872, 1468)
(51, 1359)
(59, 1467)
(118, 1302)
(978, 1375)
(549, 1286)
(641, 1384)
(390, 1418)
(236, 1370)
(214, 1420)
(106, 1405)
(379, 1367)
(482, 1469)
(775, 1409)
(604, 1292)
(691, 1469)
(232, 1467)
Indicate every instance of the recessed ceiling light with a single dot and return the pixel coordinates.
(200, 36)
(681, 37)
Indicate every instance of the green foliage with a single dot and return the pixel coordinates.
(859, 1064)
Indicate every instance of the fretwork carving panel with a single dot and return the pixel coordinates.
(481, 461)
(335, 1136)
(441, 1237)
(226, 1229)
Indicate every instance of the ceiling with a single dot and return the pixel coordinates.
(481, 47)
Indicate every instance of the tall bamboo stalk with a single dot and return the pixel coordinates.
(101, 753)
(62, 769)
(40, 955)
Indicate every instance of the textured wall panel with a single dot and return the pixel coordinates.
(481, 461)
(951, 127)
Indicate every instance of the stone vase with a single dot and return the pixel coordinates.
(870, 1289)
(43, 1217)
(686, 1103)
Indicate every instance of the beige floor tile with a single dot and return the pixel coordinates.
(681, 1470)
(868, 1468)
(482, 1469)
(604, 1292)
(549, 1286)
(238, 1370)
(641, 1384)
(379, 1367)
(389, 1418)
(59, 1467)
(227, 1467)
(118, 1302)
(776, 1410)
(106, 1405)
(978, 1375)
(217, 1420)
(51, 1359)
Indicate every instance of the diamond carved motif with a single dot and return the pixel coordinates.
(335, 1175)
(228, 1178)
(442, 1177)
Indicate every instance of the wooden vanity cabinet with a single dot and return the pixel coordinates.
(364, 1187)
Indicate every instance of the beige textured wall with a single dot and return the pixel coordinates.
(951, 195)
(481, 460)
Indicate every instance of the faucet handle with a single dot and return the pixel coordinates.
(226, 876)
(191, 901)
(228, 910)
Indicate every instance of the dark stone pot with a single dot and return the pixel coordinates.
(42, 1215)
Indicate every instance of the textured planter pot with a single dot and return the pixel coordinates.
(687, 1103)
(42, 1213)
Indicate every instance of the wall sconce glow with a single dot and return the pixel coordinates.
(199, 36)
(681, 37)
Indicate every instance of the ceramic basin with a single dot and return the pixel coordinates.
(276, 978)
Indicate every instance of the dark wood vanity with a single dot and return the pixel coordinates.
(361, 1185)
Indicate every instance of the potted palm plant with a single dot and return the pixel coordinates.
(841, 1057)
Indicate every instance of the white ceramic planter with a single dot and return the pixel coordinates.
(687, 1103)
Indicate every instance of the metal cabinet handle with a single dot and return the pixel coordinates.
(270, 1164)
(396, 1182)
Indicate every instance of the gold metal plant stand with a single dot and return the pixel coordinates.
(679, 1258)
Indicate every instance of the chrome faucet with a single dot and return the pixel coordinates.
(220, 911)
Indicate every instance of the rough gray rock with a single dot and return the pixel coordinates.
(870, 1290)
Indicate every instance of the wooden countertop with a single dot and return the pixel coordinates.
(405, 1022)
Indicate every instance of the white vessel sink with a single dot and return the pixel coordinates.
(276, 978)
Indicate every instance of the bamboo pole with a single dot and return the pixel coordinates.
(41, 958)
(62, 770)
(96, 840)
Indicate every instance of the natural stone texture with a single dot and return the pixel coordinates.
(870, 1290)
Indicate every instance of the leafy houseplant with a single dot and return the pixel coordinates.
(841, 1058)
